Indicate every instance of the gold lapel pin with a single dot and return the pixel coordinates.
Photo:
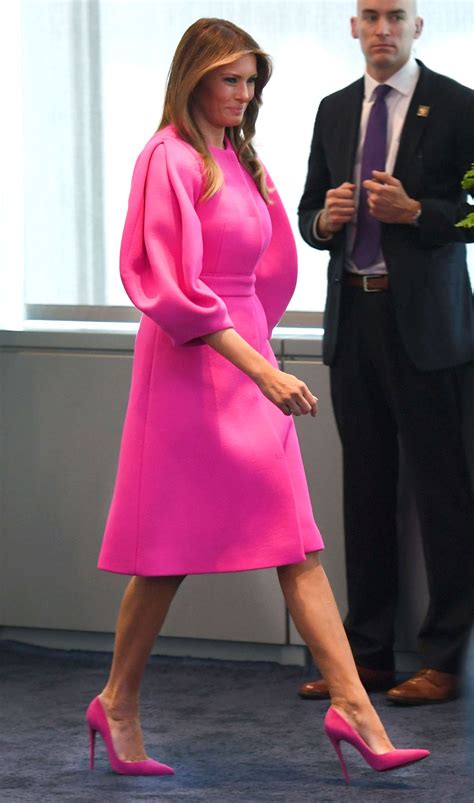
(423, 111)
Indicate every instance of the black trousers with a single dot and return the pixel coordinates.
(379, 399)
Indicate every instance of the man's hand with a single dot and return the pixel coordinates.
(388, 201)
(339, 209)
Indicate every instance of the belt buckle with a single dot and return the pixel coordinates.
(366, 287)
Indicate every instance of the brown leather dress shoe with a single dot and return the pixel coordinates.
(372, 680)
(427, 686)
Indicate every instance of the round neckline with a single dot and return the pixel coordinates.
(226, 150)
(216, 147)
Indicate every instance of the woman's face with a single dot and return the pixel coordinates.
(222, 96)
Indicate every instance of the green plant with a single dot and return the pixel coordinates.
(468, 184)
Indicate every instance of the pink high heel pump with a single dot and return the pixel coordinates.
(338, 730)
(97, 722)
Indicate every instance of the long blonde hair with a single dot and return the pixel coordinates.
(207, 44)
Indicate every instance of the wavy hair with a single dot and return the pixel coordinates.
(207, 44)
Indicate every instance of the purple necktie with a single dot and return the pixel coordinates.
(368, 235)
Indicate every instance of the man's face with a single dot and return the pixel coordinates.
(386, 29)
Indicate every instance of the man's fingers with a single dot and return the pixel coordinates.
(339, 207)
(372, 186)
(342, 195)
(386, 178)
(340, 203)
(345, 190)
(341, 213)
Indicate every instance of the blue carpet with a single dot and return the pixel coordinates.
(232, 731)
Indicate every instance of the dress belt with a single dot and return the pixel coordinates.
(366, 282)
(230, 284)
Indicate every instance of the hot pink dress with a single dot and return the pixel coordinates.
(210, 476)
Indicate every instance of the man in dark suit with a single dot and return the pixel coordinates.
(398, 338)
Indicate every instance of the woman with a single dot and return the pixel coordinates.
(208, 256)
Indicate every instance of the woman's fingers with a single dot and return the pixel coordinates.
(288, 393)
(301, 402)
(312, 400)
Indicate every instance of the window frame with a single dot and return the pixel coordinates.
(304, 319)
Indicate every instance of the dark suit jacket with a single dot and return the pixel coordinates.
(429, 280)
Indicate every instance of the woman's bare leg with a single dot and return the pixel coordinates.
(311, 603)
(143, 610)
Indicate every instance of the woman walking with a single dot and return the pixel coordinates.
(210, 476)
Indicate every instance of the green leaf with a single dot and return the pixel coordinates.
(467, 223)
(468, 180)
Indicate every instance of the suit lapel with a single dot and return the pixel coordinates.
(351, 124)
(418, 116)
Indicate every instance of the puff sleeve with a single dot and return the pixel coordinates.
(161, 250)
(276, 271)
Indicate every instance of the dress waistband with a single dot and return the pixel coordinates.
(230, 284)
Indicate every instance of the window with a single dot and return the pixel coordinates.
(85, 92)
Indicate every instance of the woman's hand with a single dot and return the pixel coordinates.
(287, 392)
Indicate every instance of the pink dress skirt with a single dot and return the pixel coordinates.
(210, 475)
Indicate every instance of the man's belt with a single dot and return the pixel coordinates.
(370, 284)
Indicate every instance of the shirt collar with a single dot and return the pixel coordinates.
(404, 81)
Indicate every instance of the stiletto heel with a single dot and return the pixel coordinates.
(97, 721)
(335, 744)
(338, 730)
(92, 734)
